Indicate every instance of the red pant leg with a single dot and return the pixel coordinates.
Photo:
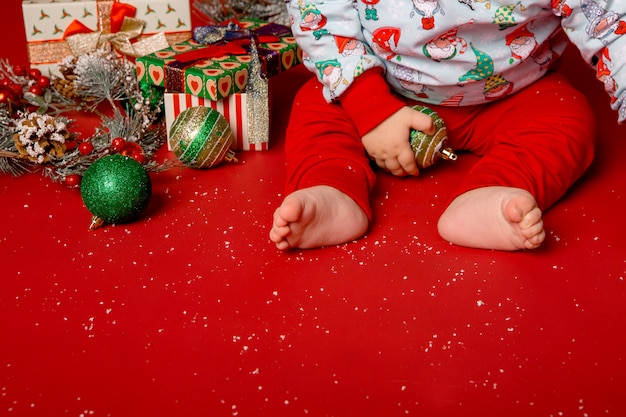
(324, 148)
(540, 139)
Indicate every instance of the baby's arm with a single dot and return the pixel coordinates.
(388, 143)
(384, 121)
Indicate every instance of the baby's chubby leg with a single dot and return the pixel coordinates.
(502, 218)
(317, 216)
(528, 162)
(329, 176)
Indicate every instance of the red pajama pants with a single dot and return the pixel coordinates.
(540, 139)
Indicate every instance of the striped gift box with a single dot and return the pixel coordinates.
(234, 110)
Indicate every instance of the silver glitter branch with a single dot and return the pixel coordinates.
(258, 106)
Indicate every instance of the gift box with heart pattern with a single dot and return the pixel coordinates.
(184, 67)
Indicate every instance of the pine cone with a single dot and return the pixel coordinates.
(41, 137)
(66, 85)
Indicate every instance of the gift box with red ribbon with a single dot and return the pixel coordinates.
(56, 29)
(217, 70)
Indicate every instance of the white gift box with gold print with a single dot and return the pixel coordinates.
(46, 23)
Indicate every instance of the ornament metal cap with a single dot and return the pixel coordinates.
(96, 222)
(448, 154)
(231, 156)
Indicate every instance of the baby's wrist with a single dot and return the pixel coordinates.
(369, 101)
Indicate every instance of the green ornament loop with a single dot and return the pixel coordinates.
(116, 189)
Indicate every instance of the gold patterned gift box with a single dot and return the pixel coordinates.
(56, 29)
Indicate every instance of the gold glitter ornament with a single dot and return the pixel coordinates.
(201, 137)
(429, 148)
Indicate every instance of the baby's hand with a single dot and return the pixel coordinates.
(388, 143)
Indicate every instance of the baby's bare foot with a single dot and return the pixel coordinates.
(315, 217)
(502, 218)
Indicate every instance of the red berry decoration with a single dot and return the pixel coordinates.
(17, 89)
(138, 156)
(36, 90)
(85, 148)
(6, 95)
(19, 70)
(118, 144)
(34, 73)
(72, 180)
(130, 147)
(43, 81)
(135, 151)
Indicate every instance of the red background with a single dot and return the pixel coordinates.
(191, 311)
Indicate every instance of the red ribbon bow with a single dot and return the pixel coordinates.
(237, 46)
(118, 12)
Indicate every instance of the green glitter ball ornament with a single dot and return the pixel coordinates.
(201, 137)
(115, 189)
(429, 148)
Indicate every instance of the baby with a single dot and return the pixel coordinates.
(485, 68)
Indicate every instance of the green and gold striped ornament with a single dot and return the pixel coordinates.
(201, 137)
(429, 148)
